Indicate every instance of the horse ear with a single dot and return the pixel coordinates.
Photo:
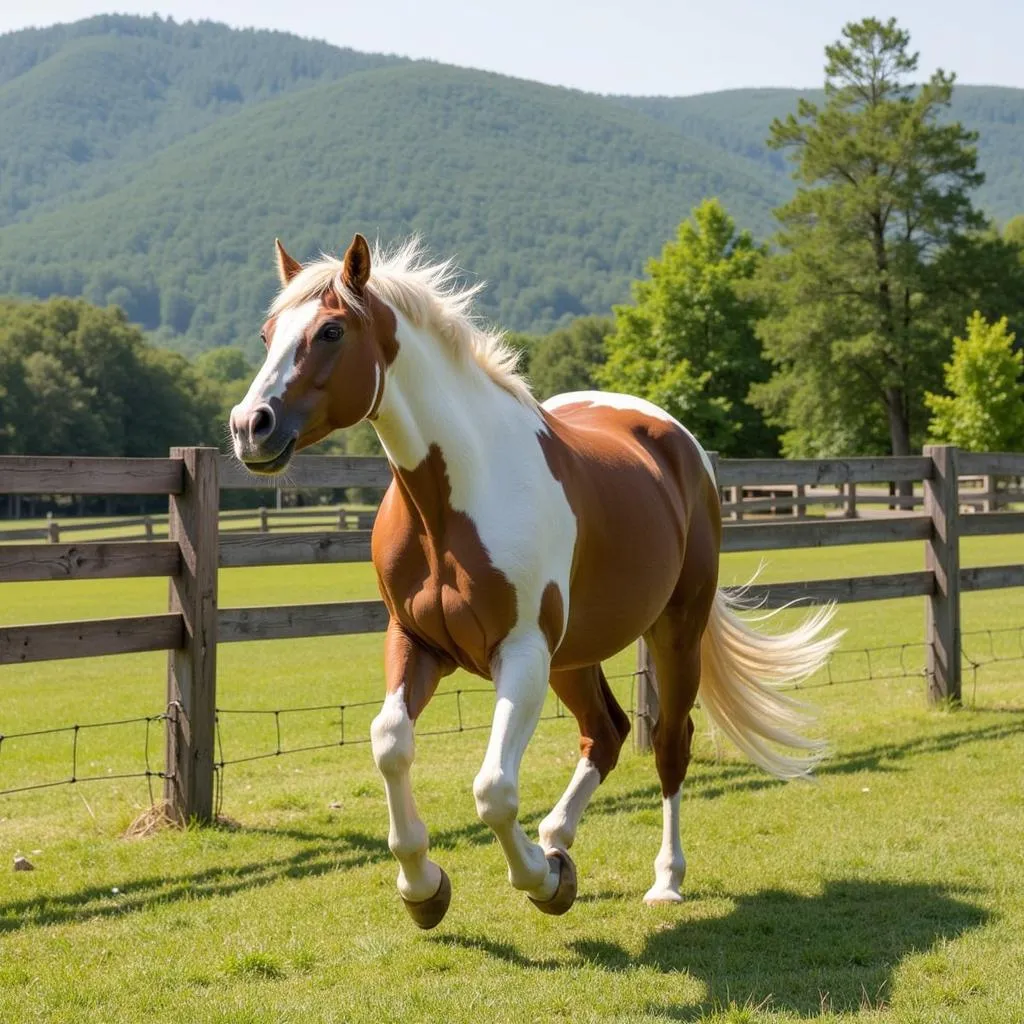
(356, 270)
(287, 268)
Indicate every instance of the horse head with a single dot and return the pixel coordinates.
(329, 342)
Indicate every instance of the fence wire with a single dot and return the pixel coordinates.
(74, 731)
(342, 740)
(980, 647)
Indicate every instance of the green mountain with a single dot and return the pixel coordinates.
(151, 164)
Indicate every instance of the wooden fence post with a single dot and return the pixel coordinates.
(192, 669)
(737, 500)
(147, 525)
(264, 522)
(52, 529)
(942, 557)
(851, 501)
(989, 486)
(647, 703)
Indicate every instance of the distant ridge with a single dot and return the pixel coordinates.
(151, 164)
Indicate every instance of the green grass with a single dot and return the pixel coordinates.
(889, 890)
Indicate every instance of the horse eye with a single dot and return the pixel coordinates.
(332, 332)
(263, 338)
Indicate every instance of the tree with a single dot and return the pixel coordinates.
(881, 253)
(984, 410)
(688, 342)
(76, 379)
(1013, 231)
(568, 358)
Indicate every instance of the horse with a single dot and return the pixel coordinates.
(524, 542)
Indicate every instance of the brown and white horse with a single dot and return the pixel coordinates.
(525, 543)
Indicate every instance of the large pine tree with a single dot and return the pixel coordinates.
(879, 254)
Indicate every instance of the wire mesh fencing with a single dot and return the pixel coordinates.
(344, 723)
(74, 732)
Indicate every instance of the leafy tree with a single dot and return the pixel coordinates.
(688, 343)
(75, 379)
(568, 358)
(880, 252)
(984, 410)
(1014, 230)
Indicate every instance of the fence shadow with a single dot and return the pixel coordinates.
(708, 781)
(836, 951)
(321, 854)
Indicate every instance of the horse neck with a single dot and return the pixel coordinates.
(434, 399)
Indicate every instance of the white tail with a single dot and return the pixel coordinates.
(740, 666)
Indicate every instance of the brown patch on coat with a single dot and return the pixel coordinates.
(434, 572)
(337, 384)
(410, 663)
(635, 483)
(552, 615)
(603, 724)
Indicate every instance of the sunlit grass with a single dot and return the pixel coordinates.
(889, 890)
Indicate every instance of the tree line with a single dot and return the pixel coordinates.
(881, 314)
(834, 339)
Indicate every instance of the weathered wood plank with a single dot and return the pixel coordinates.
(25, 533)
(822, 533)
(249, 549)
(733, 472)
(54, 641)
(192, 665)
(859, 588)
(311, 471)
(992, 577)
(991, 524)
(942, 557)
(57, 474)
(301, 620)
(107, 560)
(991, 463)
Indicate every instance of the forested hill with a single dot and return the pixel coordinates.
(151, 164)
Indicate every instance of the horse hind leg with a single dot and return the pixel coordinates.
(675, 644)
(603, 727)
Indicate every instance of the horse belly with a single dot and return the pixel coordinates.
(621, 585)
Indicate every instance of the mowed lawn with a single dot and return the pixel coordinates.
(891, 889)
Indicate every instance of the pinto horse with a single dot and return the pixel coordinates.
(525, 543)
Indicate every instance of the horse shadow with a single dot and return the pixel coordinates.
(837, 951)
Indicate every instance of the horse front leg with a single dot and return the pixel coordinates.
(520, 673)
(412, 673)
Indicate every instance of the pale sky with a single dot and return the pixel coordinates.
(612, 46)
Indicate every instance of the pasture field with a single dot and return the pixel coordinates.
(889, 890)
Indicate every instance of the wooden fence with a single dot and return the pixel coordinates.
(156, 527)
(198, 545)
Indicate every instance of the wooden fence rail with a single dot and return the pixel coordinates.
(201, 541)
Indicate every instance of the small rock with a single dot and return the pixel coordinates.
(335, 805)
(23, 864)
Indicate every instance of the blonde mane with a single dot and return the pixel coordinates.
(428, 295)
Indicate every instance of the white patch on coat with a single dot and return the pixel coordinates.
(612, 400)
(670, 864)
(558, 830)
(394, 748)
(496, 467)
(279, 365)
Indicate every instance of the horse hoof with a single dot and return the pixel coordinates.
(565, 894)
(429, 913)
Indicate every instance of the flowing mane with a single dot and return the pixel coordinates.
(429, 295)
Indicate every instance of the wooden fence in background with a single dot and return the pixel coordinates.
(197, 545)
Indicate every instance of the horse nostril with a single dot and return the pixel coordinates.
(261, 422)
